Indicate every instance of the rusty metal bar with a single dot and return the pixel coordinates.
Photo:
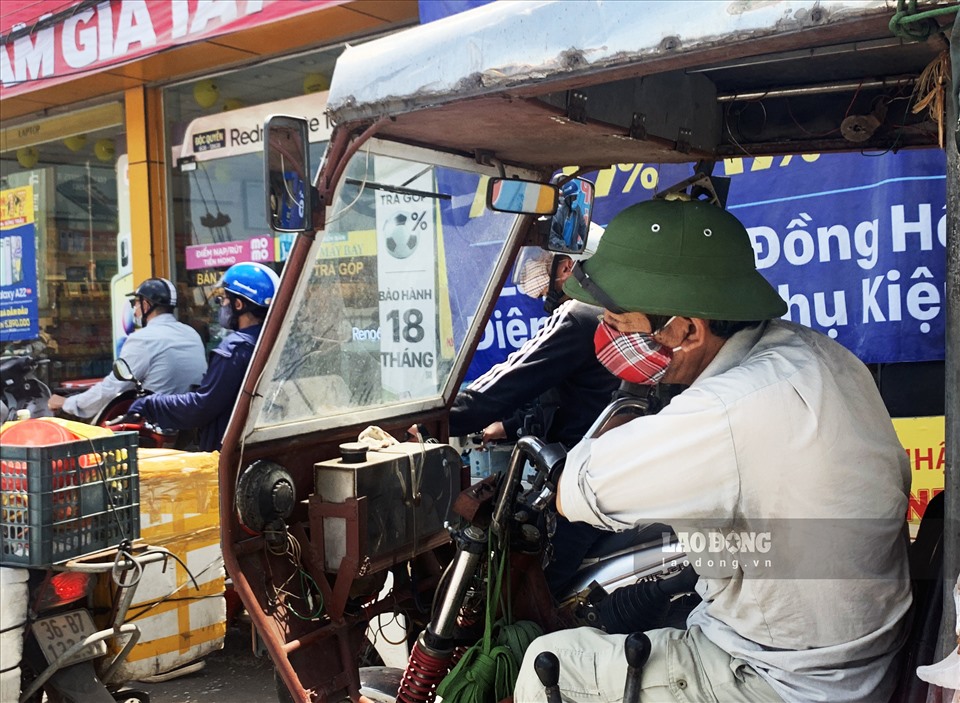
(822, 89)
(951, 477)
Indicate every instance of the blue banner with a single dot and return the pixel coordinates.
(19, 316)
(856, 246)
(431, 10)
(854, 243)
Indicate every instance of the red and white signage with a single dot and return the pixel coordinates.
(225, 254)
(115, 32)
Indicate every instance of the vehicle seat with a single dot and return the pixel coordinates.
(926, 575)
(614, 542)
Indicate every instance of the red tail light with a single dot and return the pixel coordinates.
(62, 588)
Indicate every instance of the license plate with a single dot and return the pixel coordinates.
(58, 633)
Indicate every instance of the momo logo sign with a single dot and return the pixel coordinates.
(224, 254)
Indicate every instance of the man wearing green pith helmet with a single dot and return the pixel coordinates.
(778, 468)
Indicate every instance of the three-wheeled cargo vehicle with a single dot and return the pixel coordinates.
(446, 144)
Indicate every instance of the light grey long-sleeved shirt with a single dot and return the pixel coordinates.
(166, 355)
(781, 472)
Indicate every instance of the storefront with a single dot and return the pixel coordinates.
(130, 147)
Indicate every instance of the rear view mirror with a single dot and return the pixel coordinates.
(122, 371)
(521, 197)
(571, 220)
(286, 174)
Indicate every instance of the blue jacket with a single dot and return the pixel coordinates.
(209, 407)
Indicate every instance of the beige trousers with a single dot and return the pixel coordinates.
(684, 667)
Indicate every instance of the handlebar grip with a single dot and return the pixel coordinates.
(125, 419)
(636, 648)
(547, 668)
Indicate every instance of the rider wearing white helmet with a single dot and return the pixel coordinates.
(552, 386)
(248, 288)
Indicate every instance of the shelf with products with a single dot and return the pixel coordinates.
(82, 255)
(62, 290)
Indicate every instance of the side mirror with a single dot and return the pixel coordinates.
(122, 371)
(570, 223)
(521, 197)
(287, 174)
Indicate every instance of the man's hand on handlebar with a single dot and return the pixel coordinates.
(494, 432)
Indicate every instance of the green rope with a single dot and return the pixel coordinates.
(488, 670)
(907, 23)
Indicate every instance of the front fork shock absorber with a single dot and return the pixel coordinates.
(432, 655)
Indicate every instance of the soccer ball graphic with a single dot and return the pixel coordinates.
(401, 241)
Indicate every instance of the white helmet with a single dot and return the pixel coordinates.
(534, 268)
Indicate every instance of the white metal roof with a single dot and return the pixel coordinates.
(595, 82)
(517, 42)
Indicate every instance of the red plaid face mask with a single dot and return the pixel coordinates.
(632, 356)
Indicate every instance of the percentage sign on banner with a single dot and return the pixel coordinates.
(418, 220)
(648, 176)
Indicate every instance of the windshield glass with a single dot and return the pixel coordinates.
(394, 286)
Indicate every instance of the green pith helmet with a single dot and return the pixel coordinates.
(676, 257)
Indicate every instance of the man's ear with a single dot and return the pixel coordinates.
(697, 333)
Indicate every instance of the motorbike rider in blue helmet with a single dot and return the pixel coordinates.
(248, 290)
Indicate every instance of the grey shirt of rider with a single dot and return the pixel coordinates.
(783, 439)
(166, 355)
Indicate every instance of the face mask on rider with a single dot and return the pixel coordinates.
(138, 319)
(633, 356)
(226, 316)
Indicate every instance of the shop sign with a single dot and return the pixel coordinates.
(205, 277)
(48, 129)
(923, 440)
(19, 316)
(112, 33)
(225, 254)
(240, 131)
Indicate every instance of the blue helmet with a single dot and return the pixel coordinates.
(253, 282)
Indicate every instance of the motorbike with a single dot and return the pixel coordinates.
(65, 652)
(22, 390)
(116, 417)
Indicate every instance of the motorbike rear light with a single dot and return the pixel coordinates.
(62, 588)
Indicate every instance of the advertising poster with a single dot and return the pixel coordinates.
(923, 440)
(854, 243)
(19, 314)
(856, 246)
(121, 284)
(406, 231)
